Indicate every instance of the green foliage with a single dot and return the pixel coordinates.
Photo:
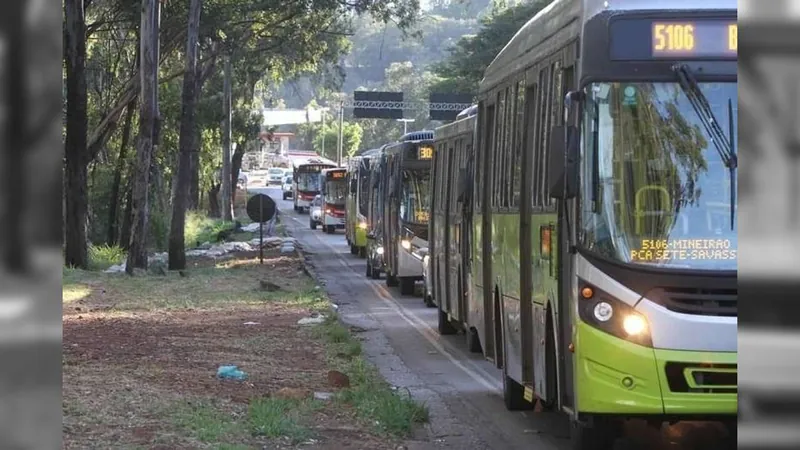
(101, 257)
(463, 68)
(200, 228)
(352, 136)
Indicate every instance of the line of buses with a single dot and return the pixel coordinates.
(578, 224)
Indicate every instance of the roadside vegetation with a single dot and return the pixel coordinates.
(141, 355)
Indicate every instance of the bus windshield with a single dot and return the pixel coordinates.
(655, 189)
(308, 181)
(415, 196)
(335, 192)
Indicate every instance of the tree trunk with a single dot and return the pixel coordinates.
(127, 218)
(177, 250)
(77, 199)
(148, 114)
(115, 186)
(213, 201)
(227, 207)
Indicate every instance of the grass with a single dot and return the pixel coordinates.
(200, 228)
(386, 410)
(141, 376)
(204, 287)
(101, 257)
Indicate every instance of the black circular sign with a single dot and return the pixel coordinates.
(261, 208)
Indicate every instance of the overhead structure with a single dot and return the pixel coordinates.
(391, 105)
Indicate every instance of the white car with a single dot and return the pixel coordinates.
(288, 187)
(275, 176)
(315, 212)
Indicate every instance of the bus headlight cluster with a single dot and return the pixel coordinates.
(379, 250)
(613, 317)
(362, 225)
(406, 244)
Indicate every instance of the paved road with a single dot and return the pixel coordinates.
(462, 390)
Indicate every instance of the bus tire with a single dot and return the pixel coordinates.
(376, 274)
(601, 434)
(473, 340)
(353, 250)
(312, 224)
(391, 280)
(362, 252)
(550, 361)
(446, 328)
(406, 286)
(369, 269)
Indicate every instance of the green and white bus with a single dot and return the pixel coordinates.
(604, 244)
(405, 175)
(358, 201)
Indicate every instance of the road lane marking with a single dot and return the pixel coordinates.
(418, 324)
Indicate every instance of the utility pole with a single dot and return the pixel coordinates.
(323, 132)
(340, 146)
(148, 133)
(227, 207)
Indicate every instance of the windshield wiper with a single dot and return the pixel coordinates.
(724, 146)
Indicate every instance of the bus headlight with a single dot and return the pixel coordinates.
(406, 244)
(362, 225)
(607, 314)
(379, 250)
(634, 325)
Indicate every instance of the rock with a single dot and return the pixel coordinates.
(269, 286)
(338, 379)
(287, 249)
(324, 396)
(205, 245)
(197, 252)
(311, 320)
(289, 393)
(119, 268)
(253, 227)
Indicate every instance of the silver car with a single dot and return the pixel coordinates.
(315, 213)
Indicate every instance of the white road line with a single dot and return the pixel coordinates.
(418, 324)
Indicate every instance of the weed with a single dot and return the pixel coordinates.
(374, 401)
(101, 257)
(276, 417)
(206, 422)
(201, 228)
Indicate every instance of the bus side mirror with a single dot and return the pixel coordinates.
(562, 170)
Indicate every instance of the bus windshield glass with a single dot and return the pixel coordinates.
(363, 188)
(308, 181)
(335, 191)
(415, 196)
(656, 191)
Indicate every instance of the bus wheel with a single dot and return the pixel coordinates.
(376, 273)
(312, 224)
(369, 269)
(473, 340)
(600, 434)
(391, 280)
(406, 286)
(446, 328)
(362, 252)
(353, 250)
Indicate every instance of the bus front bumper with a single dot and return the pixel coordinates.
(614, 376)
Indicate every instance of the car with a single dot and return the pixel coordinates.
(315, 213)
(275, 176)
(288, 187)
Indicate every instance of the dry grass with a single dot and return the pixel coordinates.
(140, 356)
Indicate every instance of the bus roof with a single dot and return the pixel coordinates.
(464, 125)
(560, 21)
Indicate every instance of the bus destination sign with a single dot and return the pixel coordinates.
(425, 152)
(642, 39)
(336, 175)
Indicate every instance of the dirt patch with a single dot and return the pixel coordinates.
(140, 356)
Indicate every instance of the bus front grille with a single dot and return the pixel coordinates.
(700, 301)
(701, 378)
